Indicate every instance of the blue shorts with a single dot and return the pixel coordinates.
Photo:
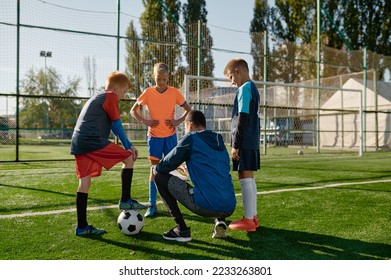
(159, 147)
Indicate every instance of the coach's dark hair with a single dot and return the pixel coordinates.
(197, 118)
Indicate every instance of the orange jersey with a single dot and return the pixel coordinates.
(161, 107)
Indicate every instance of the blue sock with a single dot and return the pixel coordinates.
(152, 193)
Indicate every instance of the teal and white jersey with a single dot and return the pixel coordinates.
(247, 101)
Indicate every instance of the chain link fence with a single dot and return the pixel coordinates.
(54, 58)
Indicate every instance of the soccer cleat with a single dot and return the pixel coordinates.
(89, 230)
(255, 219)
(220, 230)
(243, 224)
(177, 235)
(179, 175)
(152, 211)
(131, 204)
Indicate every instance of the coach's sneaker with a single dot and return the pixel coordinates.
(152, 211)
(178, 235)
(179, 175)
(243, 224)
(220, 230)
(131, 204)
(89, 230)
(256, 221)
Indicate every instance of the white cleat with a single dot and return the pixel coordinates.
(179, 175)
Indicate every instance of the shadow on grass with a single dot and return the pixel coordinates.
(281, 244)
(92, 201)
(264, 244)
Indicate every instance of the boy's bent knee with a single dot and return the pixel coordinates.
(162, 179)
(128, 162)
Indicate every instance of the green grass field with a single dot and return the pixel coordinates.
(347, 218)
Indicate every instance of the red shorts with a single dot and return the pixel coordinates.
(91, 164)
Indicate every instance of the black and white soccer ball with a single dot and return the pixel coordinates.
(130, 222)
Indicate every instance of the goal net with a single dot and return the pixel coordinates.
(294, 117)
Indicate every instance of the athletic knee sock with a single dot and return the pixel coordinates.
(126, 179)
(248, 197)
(255, 197)
(152, 193)
(81, 209)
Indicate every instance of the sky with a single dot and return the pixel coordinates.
(228, 21)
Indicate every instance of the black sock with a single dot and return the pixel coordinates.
(126, 179)
(181, 225)
(162, 181)
(81, 209)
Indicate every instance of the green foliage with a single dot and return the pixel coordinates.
(48, 104)
(352, 25)
(160, 41)
(134, 67)
(161, 37)
(193, 12)
(258, 26)
(294, 20)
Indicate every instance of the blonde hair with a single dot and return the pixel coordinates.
(235, 63)
(160, 67)
(117, 78)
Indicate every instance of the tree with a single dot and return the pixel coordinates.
(134, 66)
(293, 20)
(367, 24)
(259, 25)
(161, 36)
(292, 23)
(345, 24)
(47, 105)
(173, 49)
(194, 11)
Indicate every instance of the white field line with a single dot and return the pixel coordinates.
(326, 186)
(30, 214)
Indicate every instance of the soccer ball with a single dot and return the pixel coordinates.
(300, 152)
(130, 222)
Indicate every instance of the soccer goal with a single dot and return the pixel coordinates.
(295, 118)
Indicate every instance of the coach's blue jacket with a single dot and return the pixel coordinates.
(208, 165)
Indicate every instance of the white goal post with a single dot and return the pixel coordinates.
(291, 114)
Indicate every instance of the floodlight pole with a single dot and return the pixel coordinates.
(45, 54)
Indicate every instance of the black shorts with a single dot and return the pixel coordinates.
(250, 160)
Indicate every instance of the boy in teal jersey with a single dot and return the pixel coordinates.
(245, 135)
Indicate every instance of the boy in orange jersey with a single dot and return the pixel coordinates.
(161, 101)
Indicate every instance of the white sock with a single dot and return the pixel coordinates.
(248, 197)
(254, 185)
